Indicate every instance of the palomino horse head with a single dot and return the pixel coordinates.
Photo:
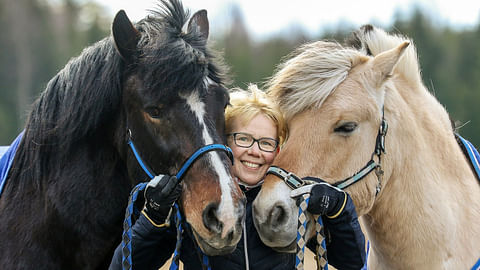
(174, 101)
(333, 99)
(420, 210)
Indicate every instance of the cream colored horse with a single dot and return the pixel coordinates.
(427, 213)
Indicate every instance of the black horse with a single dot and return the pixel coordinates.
(64, 200)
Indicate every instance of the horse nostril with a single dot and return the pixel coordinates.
(277, 216)
(210, 219)
(230, 236)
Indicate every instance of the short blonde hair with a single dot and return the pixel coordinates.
(246, 104)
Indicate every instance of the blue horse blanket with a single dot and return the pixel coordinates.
(6, 159)
(472, 154)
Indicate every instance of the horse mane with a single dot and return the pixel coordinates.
(313, 71)
(77, 102)
(310, 74)
(372, 41)
(81, 103)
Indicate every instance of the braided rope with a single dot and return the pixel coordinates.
(127, 226)
(178, 224)
(321, 252)
(176, 254)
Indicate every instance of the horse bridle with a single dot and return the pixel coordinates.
(131, 210)
(186, 165)
(295, 182)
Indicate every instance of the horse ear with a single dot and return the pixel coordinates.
(125, 35)
(384, 63)
(199, 23)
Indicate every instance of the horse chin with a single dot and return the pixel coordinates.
(292, 248)
(278, 241)
(209, 248)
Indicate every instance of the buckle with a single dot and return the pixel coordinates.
(289, 178)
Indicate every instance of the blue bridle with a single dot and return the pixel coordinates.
(131, 210)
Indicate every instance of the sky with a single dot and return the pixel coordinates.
(268, 17)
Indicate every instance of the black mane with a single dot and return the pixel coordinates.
(186, 53)
(76, 105)
(83, 99)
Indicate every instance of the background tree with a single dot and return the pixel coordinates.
(41, 36)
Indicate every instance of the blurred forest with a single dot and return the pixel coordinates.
(40, 36)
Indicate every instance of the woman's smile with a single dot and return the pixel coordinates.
(251, 165)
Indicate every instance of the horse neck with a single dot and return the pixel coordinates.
(428, 188)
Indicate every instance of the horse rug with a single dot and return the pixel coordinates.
(6, 159)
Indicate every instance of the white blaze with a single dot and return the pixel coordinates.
(226, 209)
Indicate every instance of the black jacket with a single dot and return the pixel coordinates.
(152, 246)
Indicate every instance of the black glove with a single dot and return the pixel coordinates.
(160, 194)
(325, 199)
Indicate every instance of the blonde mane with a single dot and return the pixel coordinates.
(378, 41)
(310, 75)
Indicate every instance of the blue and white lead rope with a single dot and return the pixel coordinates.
(128, 224)
(321, 252)
(127, 232)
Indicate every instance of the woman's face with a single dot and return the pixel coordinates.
(251, 164)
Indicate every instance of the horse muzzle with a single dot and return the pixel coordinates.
(223, 230)
(275, 216)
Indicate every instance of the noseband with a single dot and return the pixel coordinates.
(132, 210)
(207, 148)
(294, 182)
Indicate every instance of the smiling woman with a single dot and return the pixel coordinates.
(254, 131)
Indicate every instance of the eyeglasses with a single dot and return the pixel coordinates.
(246, 140)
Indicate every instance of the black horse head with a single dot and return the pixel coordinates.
(151, 82)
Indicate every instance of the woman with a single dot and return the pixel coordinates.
(255, 130)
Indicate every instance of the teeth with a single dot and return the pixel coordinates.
(251, 165)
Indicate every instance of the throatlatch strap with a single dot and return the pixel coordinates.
(321, 251)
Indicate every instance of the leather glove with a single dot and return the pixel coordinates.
(325, 199)
(160, 194)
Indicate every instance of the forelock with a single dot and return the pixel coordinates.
(310, 75)
(189, 60)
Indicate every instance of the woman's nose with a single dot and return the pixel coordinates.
(254, 149)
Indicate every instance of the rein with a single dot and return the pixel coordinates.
(294, 182)
(133, 211)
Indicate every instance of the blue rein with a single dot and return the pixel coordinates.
(132, 210)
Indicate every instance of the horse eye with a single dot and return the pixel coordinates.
(347, 127)
(154, 112)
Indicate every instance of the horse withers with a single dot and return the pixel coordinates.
(420, 205)
(150, 83)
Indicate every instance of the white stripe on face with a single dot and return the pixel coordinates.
(226, 208)
(208, 82)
